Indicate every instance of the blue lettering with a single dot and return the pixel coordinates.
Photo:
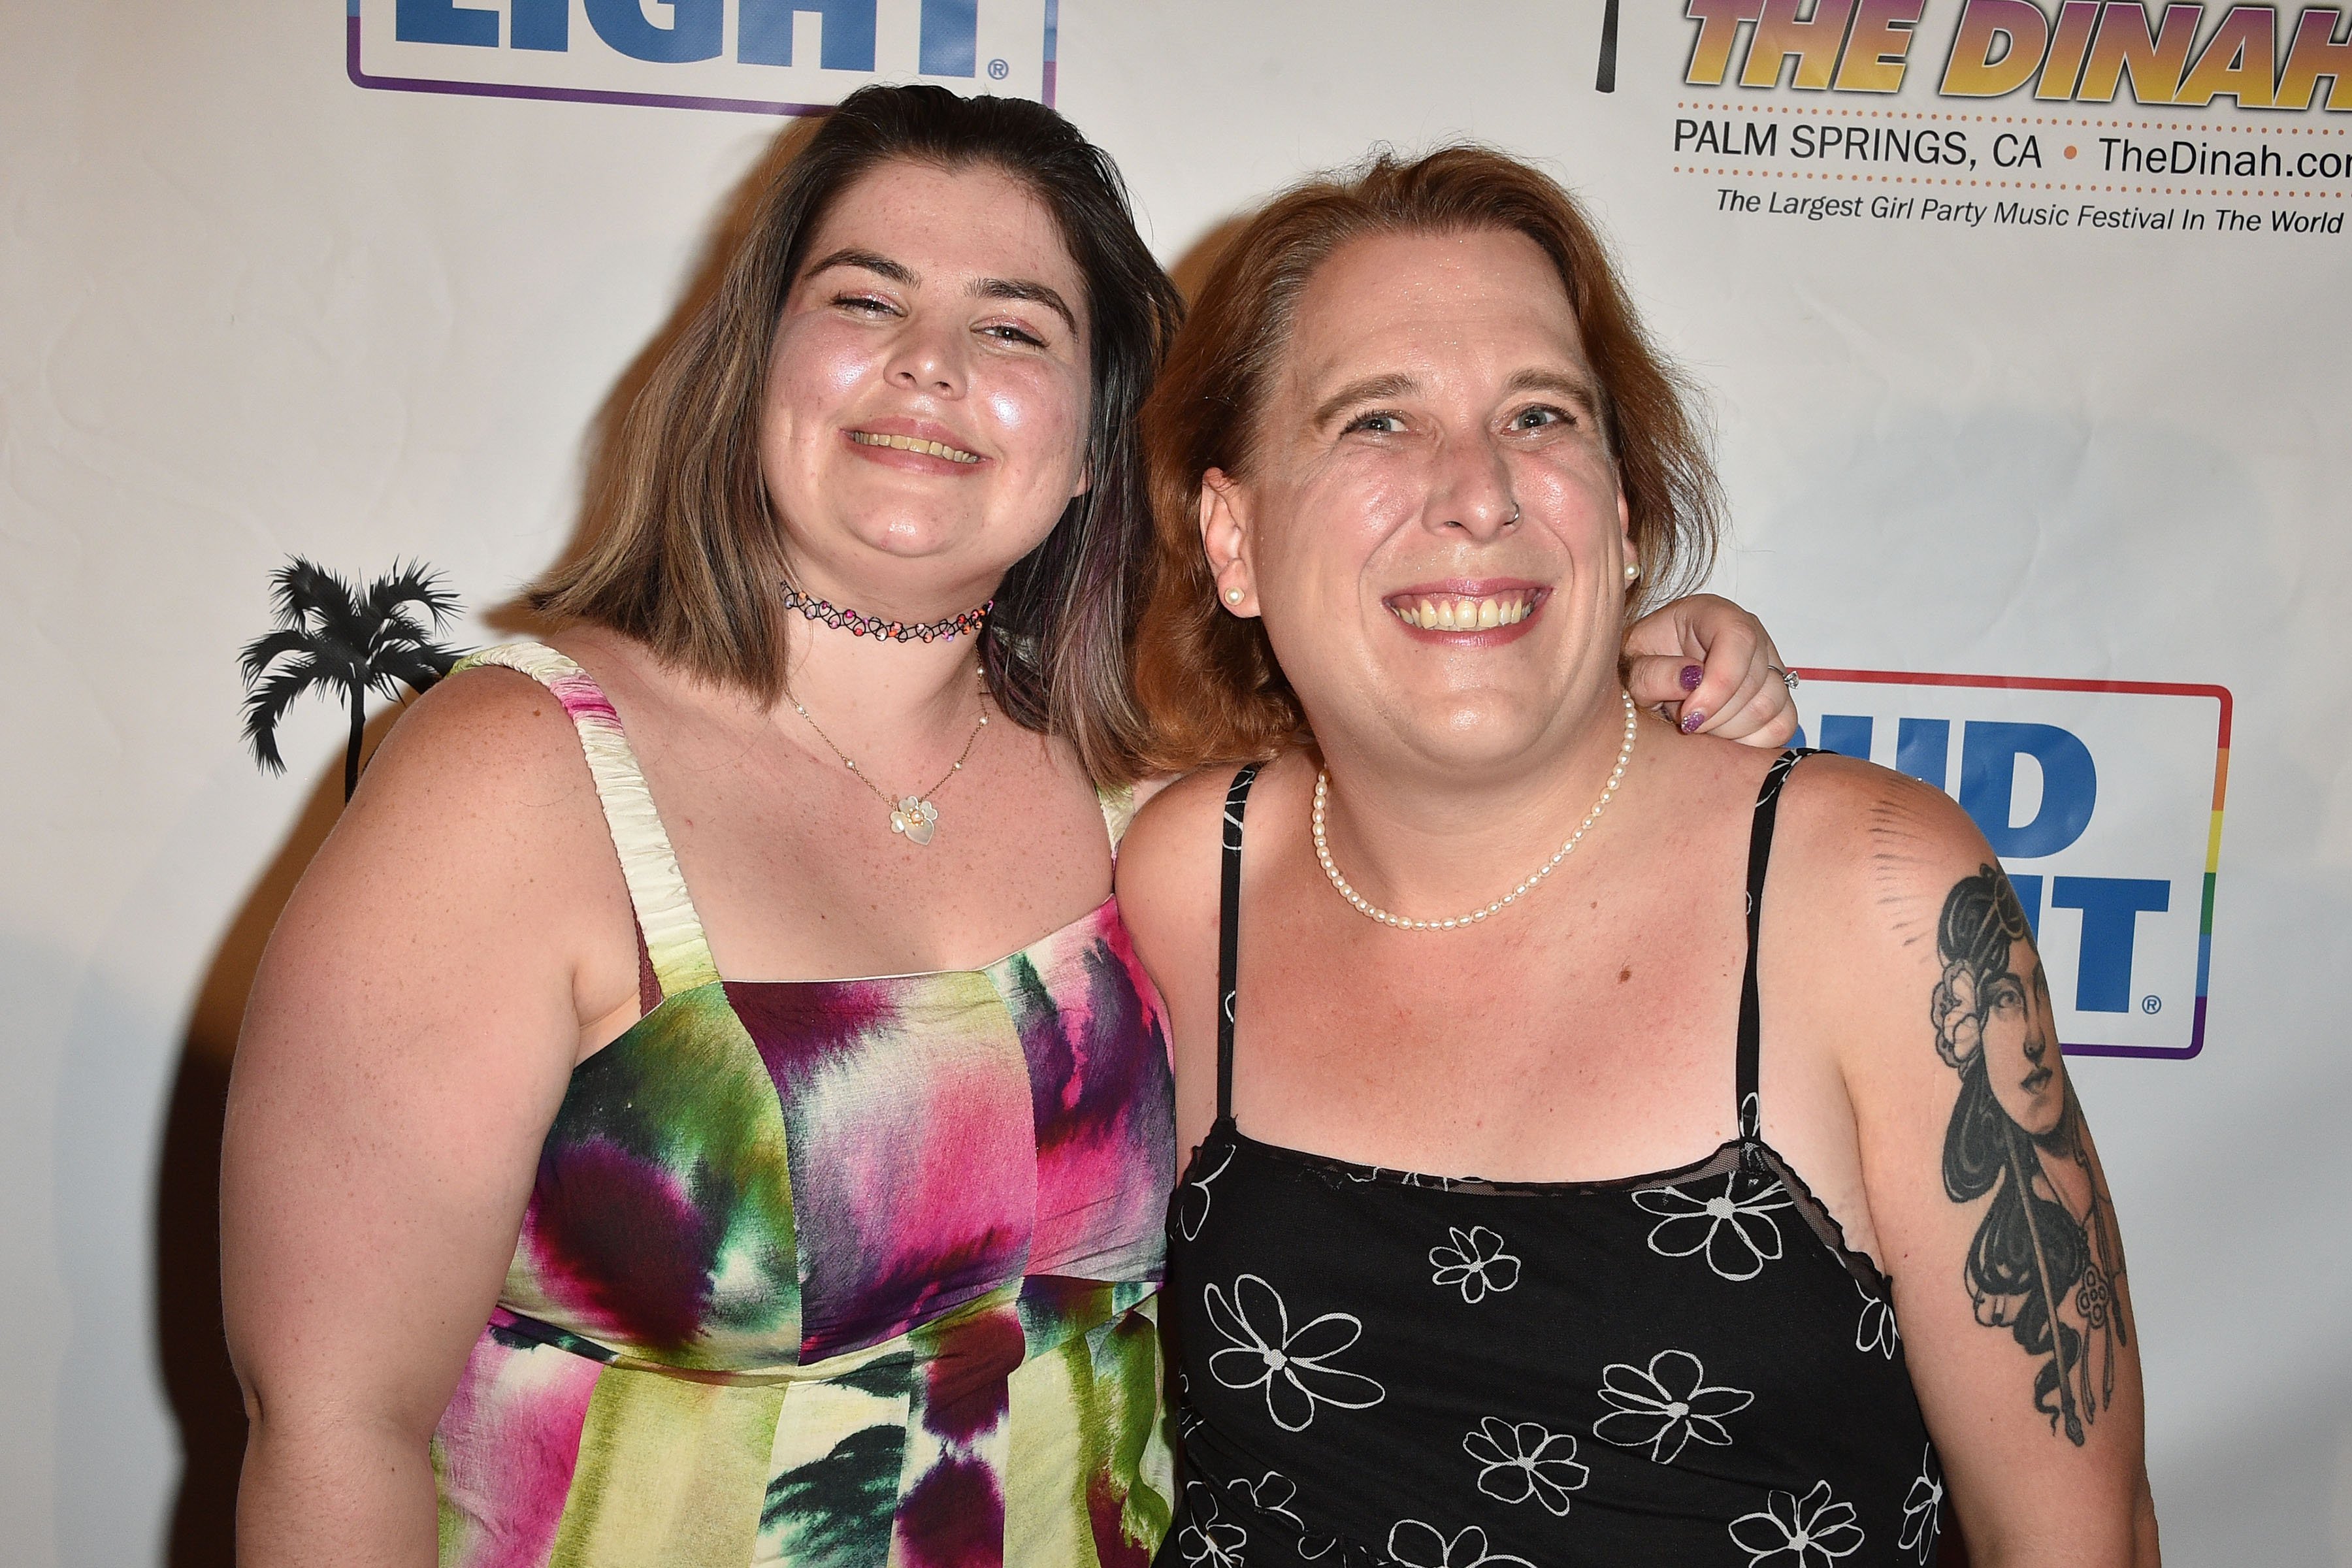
(950, 36)
(2111, 908)
(1922, 749)
(2069, 787)
(764, 33)
(540, 24)
(444, 22)
(1922, 746)
(1844, 733)
(696, 30)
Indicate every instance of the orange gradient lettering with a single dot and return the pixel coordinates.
(2316, 52)
(2127, 41)
(2069, 46)
(1996, 49)
(1813, 43)
(2238, 60)
(1718, 30)
(1880, 48)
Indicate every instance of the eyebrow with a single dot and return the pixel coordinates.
(1373, 388)
(1031, 290)
(1024, 289)
(867, 260)
(1369, 389)
(1574, 387)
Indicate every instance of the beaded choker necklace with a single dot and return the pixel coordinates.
(859, 626)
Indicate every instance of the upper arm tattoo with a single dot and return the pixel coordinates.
(2046, 1263)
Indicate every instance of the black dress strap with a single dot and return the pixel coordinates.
(1229, 934)
(1759, 860)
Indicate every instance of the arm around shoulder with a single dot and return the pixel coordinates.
(410, 1032)
(1992, 1214)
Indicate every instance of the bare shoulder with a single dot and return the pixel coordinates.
(1876, 853)
(1168, 862)
(475, 818)
(490, 732)
(1872, 869)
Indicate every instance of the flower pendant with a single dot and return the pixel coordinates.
(916, 818)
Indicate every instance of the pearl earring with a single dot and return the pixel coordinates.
(1234, 595)
(1632, 571)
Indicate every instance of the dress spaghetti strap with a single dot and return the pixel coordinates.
(1751, 1016)
(669, 931)
(1229, 935)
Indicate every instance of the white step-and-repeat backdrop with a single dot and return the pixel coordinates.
(2027, 325)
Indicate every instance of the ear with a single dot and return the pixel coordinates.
(1625, 530)
(1226, 540)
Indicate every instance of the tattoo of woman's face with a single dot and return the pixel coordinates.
(2046, 1263)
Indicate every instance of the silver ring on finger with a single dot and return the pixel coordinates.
(1788, 677)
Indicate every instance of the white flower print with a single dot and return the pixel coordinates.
(1366, 1175)
(1877, 1331)
(1788, 1533)
(1417, 1545)
(1476, 1262)
(1523, 1461)
(1272, 1493)
(1666, 1407)
(1923, 1509)
(1263, 1352)
(1738, 1235)
(1192, 1199)
(1205, 1541)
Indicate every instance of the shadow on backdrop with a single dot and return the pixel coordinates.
(191, 1350)
(603, 447)
(190, 1346)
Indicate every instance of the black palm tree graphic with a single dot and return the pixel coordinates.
(332, 639)
(1606, 79)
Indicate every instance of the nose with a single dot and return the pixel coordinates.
(1473, 490)
(929, 360)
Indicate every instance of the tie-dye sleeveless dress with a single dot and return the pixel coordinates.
(849, 1273)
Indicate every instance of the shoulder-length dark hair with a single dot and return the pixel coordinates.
(1209, 680)
(688, 558)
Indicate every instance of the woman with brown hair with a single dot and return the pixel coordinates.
(814, 1214)
(1490, 943)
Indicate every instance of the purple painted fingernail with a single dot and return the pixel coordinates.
(1692, 676)
(1692, 720)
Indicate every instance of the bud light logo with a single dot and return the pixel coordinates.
(2103, 800)
(755, 56)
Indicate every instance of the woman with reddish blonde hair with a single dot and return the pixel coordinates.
(1604, 1147)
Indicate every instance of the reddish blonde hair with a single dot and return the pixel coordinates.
(1208, 681)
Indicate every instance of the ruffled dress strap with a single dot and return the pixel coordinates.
(1118, 803)
(676, 955)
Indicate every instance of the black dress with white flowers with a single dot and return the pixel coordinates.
(1376, 1367)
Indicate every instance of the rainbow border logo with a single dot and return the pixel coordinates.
(2218, 695)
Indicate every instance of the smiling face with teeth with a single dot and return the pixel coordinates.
(928, 391)
(1430, 521)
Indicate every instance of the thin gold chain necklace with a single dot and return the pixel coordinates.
(1366, 907)
(912, 815)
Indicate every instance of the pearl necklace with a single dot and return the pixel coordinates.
(1366, 907)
